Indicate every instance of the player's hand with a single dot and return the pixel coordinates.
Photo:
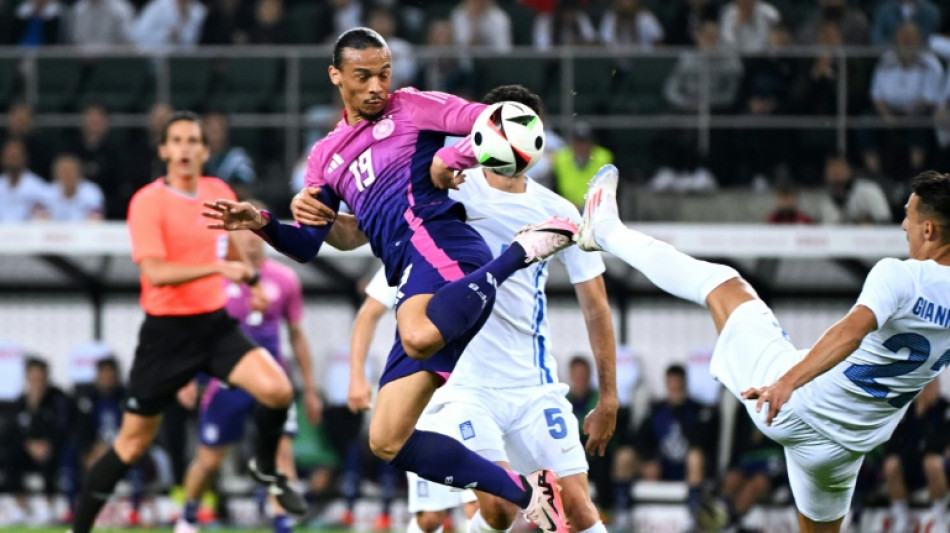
(444, 177)
(259, 300)
(188, 395)
(313, 406)
(359, 397)
(235, 271)
(232, 216)
(310, 211)
(776, 395)
(599, 426)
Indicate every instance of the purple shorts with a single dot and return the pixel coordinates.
(224, 412)
(440, 251)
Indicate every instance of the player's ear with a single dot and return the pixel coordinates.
(163, 153)
(335, 76)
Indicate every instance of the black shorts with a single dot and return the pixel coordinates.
(172, 350)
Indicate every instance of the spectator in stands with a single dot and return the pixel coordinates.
(906, 83)
(43, 416)
(140, 164)
(100, 157)
(756, 466)
(576, 164)
(100, 22)
(630, 23)
(481, 23)
(747, 24)
(850, 199)
(851, 22)
(817, 87)
(892, 14)
(169, 23)
(227, 23)
(37, 23)
(916, 459)
(23, 194)
(404, 64)
(100, 411)
(787, 210)
(40, 152)
(445, 74)
(677, 440)
(683, 89)
(71, 197)
(346, 14)
(688, 19)
(568, 25)
(230, 163)
(270, 23)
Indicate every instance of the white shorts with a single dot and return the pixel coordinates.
(425, 495)
(754, 351)
(532, 428)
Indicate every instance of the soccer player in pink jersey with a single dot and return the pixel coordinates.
(386, 161)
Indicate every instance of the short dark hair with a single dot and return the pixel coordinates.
(579, 360)
(37, 363)
(108, 362)
(676, 370)
(186, 116)
(358, 38)
(933, 191)
(514, 93)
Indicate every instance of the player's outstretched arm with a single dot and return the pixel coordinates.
(300, 243)
(601, 422)
(308, 210)
(836, 344)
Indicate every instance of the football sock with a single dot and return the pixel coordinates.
(442, 459)
(270, 428)
(282, 524)
(351, 476)
(693, 500)
(387, 478)
(622, 495)
(669, 269)
(190, 511)
(596, 528)
(900, 512)
(100, 482)
(457, 307)
(413, 526)
(478, 525)
(939, 509)
(137, 478)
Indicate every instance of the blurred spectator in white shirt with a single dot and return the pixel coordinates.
(746, 24)
(72, 198)
(100, 22)
(404, 64)
(481, 23)
(852, 200)
(169, 23)
(630, 23)
(22, 193)
(568, 24)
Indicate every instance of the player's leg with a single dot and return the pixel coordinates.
(433, 456)
(935, 470)
(429, 321)
(285, 463)
(135, 436)
(427, 522)
(822, 475)
(428, 504)
(198, 478)
(897, 493)
(716, 286)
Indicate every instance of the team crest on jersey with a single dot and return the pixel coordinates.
(384, 128)
(468, 432)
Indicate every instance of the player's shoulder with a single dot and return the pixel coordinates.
(412, 96)
(148, 191)
(553, 200)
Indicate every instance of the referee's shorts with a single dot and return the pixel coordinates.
(172, 350)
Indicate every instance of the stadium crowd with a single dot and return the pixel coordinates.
(739, 47)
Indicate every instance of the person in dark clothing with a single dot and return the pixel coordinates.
(99, 157)
(43, 414)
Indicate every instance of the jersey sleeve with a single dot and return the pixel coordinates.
(145, 227)
(379, 290)
(888, 286)
(446, 113)
(294, 310)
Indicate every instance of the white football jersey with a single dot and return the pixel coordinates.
(859, 402)
(512, 349)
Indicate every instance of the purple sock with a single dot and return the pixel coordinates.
(442, 459)
(457, 307)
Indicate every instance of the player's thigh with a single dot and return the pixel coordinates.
(135, 436)
(546, 436)
(399, 404)
(429, 496)
(822, 476)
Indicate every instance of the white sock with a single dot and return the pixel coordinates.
(939, 509)
(666, 267)
(900, 512)
(478, 525)
(599, 527)
(413, 526)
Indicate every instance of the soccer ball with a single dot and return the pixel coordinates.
(508, 138)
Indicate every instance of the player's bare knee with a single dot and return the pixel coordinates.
(497, 512)
(384, 448)
(934, 465)
(892, 466)
(625, 463)
(131, 448)
(430, 521)
(278, 394)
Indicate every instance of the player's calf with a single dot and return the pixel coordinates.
(498, 514)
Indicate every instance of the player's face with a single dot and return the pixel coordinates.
(364, 80)
(184, 152)
(917, 227)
